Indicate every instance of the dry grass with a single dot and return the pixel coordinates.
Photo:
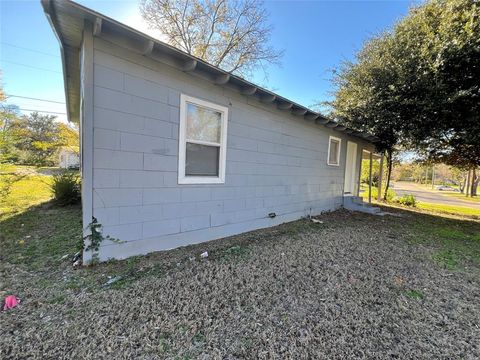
(356, 286)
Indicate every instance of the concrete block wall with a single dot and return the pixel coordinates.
(276, 161)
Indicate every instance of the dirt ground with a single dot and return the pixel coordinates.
(354, 286)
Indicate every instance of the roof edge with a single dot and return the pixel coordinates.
(187, 63)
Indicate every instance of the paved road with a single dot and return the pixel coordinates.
(431, 196)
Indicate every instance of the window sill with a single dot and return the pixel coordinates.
(200, 180)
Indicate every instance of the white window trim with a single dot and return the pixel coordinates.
(338, 152)
(182, 143)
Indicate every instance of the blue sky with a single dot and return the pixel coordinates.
(316, 37)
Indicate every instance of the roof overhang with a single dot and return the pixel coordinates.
(68, 19)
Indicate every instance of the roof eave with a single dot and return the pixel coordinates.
(159, 51)
(49, 11)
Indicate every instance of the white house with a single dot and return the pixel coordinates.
(175, 151)
(68, 158)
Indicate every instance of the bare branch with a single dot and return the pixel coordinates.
(230, 34)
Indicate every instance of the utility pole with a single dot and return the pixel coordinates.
(433, 176)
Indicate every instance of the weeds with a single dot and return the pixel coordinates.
(447, 258)
(414, 294)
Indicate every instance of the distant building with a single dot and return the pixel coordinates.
(68, 158)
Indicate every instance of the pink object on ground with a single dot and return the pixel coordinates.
(10, 302)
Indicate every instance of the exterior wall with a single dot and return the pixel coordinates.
(276, 162)
(68, 159)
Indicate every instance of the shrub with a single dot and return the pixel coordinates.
(407, 200)
(390, 194)
(66, 188)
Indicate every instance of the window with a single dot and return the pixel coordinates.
(334, 151)
(202, 141)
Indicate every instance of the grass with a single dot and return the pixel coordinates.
(233, 253)
(461, 196)
(449, 209)
(32, 189)
(35, 234)
(414, 294)
(454, 243)
(430, 207)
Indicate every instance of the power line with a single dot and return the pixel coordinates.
(30, 66)
(42, 111)
(32, 98)
(29, 49)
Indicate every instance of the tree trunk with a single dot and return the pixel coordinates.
(389, 172)
(467, 183)
(462, 184)
(475, 179)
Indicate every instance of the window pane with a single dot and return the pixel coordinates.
(203, 124)
(201, 160)
(333, 152)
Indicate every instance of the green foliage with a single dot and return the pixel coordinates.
(365, 173)
(9, 116)
(38, 138)
(390, 194)
(33, 139)
(407, 200)
(66, 188)
(95, 238)
(417, 85)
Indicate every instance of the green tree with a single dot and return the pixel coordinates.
(364, 97)
(417, 85)
(69, 136)
(9, 116)
(365, 172)
(443, 37)
(38, 138)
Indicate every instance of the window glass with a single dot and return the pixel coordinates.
(201, 160)
(333, 156)
(202, 141)
(203, 124)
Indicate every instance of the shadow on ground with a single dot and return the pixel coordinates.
(352, 286)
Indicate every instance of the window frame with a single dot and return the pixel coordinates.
(182, 142)
(338, 152)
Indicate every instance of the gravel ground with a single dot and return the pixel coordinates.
(355, 286)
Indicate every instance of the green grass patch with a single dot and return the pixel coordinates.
(29, 191)
(414, 294)
(453, 242)
(446, 258)
(41, 236)
(234, 253)
(460, 196)
(129, 271)
(450, 209)
(34, 232)
(58, 299)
